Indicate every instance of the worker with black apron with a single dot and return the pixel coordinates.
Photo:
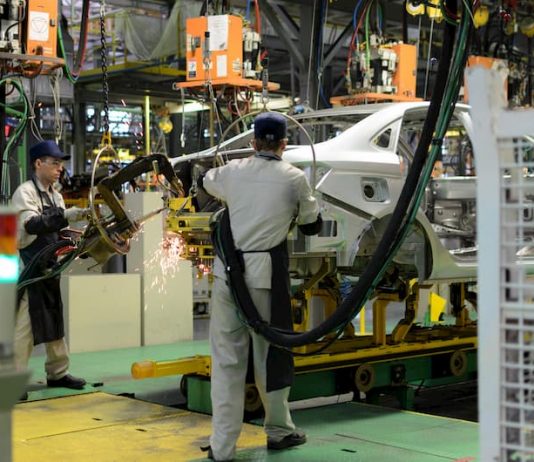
(263, 195)
(42, 214)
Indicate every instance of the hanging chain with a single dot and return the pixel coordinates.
(106, 136)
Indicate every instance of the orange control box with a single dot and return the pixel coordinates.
(223, 57)
(41, 28)
(405, 76)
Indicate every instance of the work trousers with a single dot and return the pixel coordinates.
(229, 342)
(57, 353)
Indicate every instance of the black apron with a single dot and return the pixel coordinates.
(280, 365)
(44, 297)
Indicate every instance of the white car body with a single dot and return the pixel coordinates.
(359, 177)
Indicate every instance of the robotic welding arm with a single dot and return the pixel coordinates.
(158, 163)
(111, 234)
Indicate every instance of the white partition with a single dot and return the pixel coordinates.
(503, 141)
(101, 311)
(166, 292)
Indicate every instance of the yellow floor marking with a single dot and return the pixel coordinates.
(104, 428)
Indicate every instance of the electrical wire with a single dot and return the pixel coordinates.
(5, 190)
(54, 80)
(36, 132)
(74, 73)
(258, 16)
(247, 11)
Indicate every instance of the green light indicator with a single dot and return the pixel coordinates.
(9, 269)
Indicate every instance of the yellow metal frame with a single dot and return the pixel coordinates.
(351, 349)
(201, 364)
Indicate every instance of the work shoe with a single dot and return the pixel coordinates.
(67, 381)
(210, 454)
(293, 439)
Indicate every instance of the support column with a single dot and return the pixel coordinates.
(310, 31)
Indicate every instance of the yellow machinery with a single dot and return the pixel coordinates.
(371, 363)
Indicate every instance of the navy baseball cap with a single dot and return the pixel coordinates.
(270, 126)
(47, 149)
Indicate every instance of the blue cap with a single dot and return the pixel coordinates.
(270, 126)
(47, 149)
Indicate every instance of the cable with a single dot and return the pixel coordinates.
(73, 74)
(54, 80)
(5, 190)
(258, 16)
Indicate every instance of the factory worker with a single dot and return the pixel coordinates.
(41, 215)
(263, 194)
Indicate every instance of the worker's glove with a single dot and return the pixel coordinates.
(76, 214)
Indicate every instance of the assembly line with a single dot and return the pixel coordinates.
(266, 230)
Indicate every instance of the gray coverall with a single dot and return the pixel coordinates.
(263, 195)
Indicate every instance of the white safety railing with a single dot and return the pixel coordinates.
(503, 142)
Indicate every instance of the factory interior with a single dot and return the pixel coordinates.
(267, 230)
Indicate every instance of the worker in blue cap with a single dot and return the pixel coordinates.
(264, 195)
(42, 214)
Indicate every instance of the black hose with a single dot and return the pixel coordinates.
(357, 297)
(34, 269)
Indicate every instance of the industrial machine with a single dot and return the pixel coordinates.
(380, 71)
(110, 226)
(385, 68)
(220, 47)
(29, 29)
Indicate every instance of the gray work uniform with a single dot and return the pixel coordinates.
(263, 196)
(29, 200)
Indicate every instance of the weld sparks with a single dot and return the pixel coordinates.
(167, 257)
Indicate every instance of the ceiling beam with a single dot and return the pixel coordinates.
(284, 29)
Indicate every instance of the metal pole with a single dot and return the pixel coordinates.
(529, 71)
(147, 137)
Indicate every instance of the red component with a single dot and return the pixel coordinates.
(65, 250)
(8, 225)
(505, 15)
(8, 233)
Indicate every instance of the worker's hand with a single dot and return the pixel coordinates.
(76, 214)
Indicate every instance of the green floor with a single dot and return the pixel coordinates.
(109, 371)
(340, 432)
